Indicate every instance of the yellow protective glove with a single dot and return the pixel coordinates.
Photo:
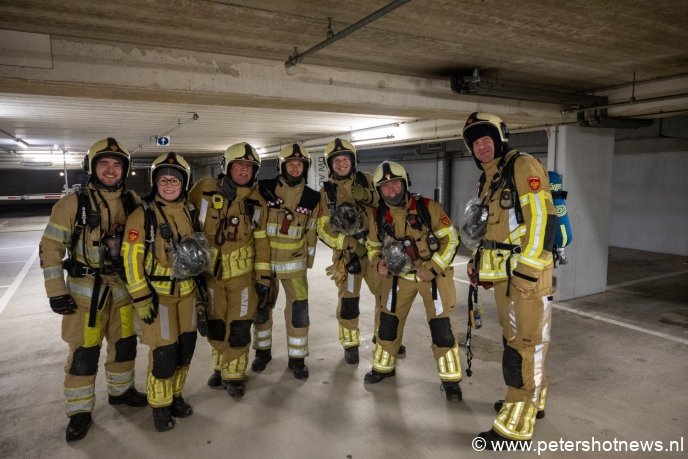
(147, 312)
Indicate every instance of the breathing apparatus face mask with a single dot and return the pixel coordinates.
(474, 225)
(191, 257)
(396, 256)
(347, 219)
(110, 255)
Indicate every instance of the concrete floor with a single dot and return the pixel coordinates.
(617, 370)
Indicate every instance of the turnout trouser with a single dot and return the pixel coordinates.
(349, 296)
(526, 320)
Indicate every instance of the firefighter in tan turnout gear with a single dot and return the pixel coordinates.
(412, 243)
(293, 208)
(515, 257)
(345, 200)
(233, 216)
(161, 255)
(89, 226)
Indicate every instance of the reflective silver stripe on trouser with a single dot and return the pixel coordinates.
(164, 318)
(297, 347)
(119, 383)
(262, 339)
(79, 399)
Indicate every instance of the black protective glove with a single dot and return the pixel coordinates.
(63, 304)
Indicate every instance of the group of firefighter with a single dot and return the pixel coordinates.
(210, 258)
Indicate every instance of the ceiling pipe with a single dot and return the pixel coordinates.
(298, 57)
(633, 101)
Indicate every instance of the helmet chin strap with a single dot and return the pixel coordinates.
(101, 186)
(397, 201)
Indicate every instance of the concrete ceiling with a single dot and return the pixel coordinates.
(74, 71)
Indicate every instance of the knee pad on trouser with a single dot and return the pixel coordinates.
(512, 367)
(216, 330)
(516, 420)
(240, 333)
(349, 337)
(440, 329)
(125, 349)
(349, 308)
(85, 361)
(449, 365)
(389, 325)
(187, 346)
(383, 362)
(165, 360)
(299, 314)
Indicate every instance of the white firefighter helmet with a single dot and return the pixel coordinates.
(174, 161)
(107, 147)
(293, 151)
(485, 124)
(338, 147)
(388, 171)
(240, 152)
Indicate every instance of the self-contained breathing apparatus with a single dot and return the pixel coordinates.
(401, 254)
(109, 246)
(348, 218)
(190, 258)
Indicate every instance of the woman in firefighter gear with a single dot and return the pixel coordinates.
(292, 212)
(411, 244)
(345, 200)
(233, 215)
(515, 257)
(164, 298)
(94, 301)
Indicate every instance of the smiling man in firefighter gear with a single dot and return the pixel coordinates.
(89, 226)
(293, 209)
(158, 236)
(412, 243)
(515, 256)
(345, 201)
(233, 216)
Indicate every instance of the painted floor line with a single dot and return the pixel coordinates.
(15, 261)
(4, 223)
(463, 281)
(19, 247)
(7, 296)
(645, 279)
(620, 324)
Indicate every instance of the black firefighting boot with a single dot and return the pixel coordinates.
(78, 426)
(181, 409)
(131, 397)
(374, 377)
(351, 355)
(263, 356)
(298, 366)
(493, 441)
(215, 379)
(236, 388)
(452, 391)
(498, 407)
(162, 419)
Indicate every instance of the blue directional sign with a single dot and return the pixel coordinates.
(162, 141)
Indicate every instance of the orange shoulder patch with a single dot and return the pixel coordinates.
(133, 235)
(444, 220)
(534, 182)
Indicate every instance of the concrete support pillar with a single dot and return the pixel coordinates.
(583, 156)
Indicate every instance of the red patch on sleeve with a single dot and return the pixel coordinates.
(133, 235)
(444, 220)
(534, 182)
